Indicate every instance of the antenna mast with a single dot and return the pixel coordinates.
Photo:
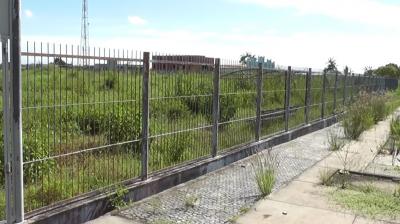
(85, 30)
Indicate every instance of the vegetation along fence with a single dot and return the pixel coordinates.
(94, 121)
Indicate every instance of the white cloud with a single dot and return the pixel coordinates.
(306, 49)
(369, 12)
(136, 20)
(28, 13)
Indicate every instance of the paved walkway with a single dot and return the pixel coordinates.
(223, 195)
(304, 199)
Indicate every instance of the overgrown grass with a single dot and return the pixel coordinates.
(66, 111)
(335, 142)
(362, 114)
(369, 201)
(325, 176)
(264, 168)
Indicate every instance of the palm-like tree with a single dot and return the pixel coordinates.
(331, 65)
(244, 57)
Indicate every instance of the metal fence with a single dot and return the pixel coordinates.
(99, 120)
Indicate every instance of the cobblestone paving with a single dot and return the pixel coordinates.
(224, 194)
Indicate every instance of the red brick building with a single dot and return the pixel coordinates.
(194, 63)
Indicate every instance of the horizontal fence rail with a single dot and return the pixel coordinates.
(95, 121)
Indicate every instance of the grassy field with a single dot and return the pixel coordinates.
(82, 128)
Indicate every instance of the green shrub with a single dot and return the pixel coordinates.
(358, 118)
(378, 106)
(172, 148)
(90, 121)
(229, 105)
(123, 125)
(395, 128)
(366, 111)
(35, 147)
(172, 109)
(198, 99)
(109, 82)
(48, 192)
(245, 84)
(117, 199)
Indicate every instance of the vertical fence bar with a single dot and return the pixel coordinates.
(308, 95)
(145, 114)
(288, 75)
(346, 71)
(323, 95)
(216, 83)
(8, 155)
(335, 92)
(259, 101)
(352, 87)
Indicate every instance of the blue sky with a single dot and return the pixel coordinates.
(302, 33)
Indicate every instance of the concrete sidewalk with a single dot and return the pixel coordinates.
(304, 199)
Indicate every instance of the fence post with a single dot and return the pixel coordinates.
(323, 95)
(308, 95)
(259, 101)
(352, 87)
(346, 71)
(335, 91)
(145, 114)
(12, 119)
(215, 100)
(288, 75)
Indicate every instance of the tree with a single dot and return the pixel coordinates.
(59, 61)
(368, 71)
(245, 57)
(390, 70)
(331, 65)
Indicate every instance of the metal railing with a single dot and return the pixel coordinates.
(95, 121)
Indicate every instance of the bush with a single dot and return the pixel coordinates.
(395, 128)
(89, 121)
(358, 118)
(363, 114)
(48, 192)
(378, 106)
(123, 125)
(172, 148)
(172, 109)
(199, 100)
(229, 105)
(109, 83)
(35, 147)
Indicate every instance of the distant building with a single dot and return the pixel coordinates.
(253, 63)
(194, 63)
